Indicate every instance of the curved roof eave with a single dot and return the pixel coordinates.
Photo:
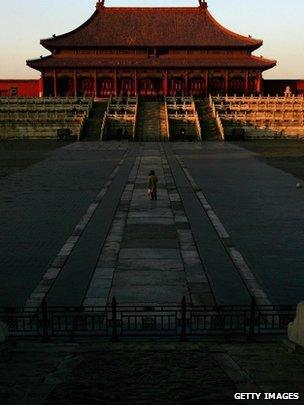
(251, 42)
(47, 42)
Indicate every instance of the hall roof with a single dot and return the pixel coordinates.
(212, 61)
(151, 27)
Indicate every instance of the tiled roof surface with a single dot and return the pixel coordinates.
(214, 61)
(178, 26)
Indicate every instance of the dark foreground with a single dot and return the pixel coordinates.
(145, 373)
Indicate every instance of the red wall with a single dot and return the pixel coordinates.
(19, 88)
(30, 88)
(274, 87)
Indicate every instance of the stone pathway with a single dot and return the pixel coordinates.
(150, 251)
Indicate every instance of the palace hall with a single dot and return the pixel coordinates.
(164, 51)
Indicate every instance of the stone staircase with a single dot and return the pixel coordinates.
(92, 127)
(210, 130)
(151, 122)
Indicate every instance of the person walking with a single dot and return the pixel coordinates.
(152, 185)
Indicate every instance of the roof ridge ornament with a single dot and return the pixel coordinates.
(203, 4)
(100, 3)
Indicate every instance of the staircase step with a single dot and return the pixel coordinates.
(92, 127)
(210, 131)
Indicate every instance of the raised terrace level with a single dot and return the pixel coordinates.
(119, 121)
(183, 119)
(261, 117)
(41, 118)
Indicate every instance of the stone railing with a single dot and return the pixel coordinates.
(197, 121)
(167, 120)
(104, 121)
(135, 119)
(296, 328)
(217, 118)
(123, 110)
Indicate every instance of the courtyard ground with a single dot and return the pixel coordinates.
(35, 373)
(78, 228)
(287, 155)
(17, 155)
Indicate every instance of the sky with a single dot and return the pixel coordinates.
(278, 22)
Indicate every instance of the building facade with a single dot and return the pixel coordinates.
(150, 52)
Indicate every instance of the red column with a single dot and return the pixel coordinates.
(55, 83)
(95, 83)
(75, 83)
(207, 83)
(166, 84)
(41, 86)
(247, 83)
(227, 82)
(187, 84)
(115, 84)
(259, 84)
(136, 83)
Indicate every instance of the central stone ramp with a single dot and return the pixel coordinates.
(151, 122)
(150, 257)
(92, 127)
(208, 123)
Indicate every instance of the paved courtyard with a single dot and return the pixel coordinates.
(78, 227)
(146, 373)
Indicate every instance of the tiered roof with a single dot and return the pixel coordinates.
(159, 27)
(177, 27)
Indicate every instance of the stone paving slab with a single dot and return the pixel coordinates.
(149, 253)
(148, 232)
(154, 213)
(148, 277)
(150, 243)
(152, 264)
(150, 221)
(138, 294)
